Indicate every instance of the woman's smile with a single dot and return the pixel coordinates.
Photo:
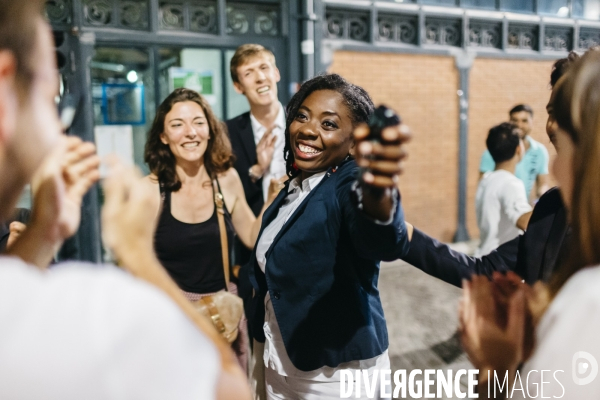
(321, 132)
(307, 151)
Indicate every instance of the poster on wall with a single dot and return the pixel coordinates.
(199, 80)
(114, 140)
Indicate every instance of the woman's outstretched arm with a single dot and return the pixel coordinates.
(246, 225)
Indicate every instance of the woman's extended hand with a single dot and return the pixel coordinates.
(384, 160)
(383, 163)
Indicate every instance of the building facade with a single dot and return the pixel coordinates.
(452, 68)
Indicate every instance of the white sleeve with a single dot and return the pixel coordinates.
(160, 353)
(488, 228)
(513, 200)
(567, 345)
(82, 331)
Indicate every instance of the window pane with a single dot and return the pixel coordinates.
(123, 95)
(478, 3)
(517, 5)
(196, 69)
(236, 103)
(589, 9)
(558, 8)
(443, 2)
(399, 1)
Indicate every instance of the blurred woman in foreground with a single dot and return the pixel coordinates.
(494, 317)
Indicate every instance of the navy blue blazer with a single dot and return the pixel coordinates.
(321, 273)
(533, 255)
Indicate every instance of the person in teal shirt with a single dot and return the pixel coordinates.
(533, 168)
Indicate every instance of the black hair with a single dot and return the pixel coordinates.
(357, 100)
(521, 107)
(502, 141)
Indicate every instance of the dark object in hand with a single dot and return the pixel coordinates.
(382, 118)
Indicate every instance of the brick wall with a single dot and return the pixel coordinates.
(497, 86)
(423, 88)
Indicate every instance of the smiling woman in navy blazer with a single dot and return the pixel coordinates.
(316, 262)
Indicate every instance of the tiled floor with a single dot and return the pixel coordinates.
(421, 313)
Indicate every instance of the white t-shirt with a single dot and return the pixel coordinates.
(499, 203)
(277, 167)
(569, 328)
(82, 331)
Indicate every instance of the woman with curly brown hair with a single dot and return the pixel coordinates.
(190, 160)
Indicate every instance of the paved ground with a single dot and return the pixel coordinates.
(421, 313)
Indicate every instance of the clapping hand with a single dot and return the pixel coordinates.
(58, 188)
(128, 215)
(15, 229)
(264, 150)
(492, 323)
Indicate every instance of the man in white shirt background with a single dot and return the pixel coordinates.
(533, 167)
(79, 331)
(500, 202)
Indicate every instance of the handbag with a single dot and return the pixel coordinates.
(223, 308)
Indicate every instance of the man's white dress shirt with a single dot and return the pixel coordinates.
(277, 167)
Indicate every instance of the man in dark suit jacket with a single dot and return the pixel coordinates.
(533, 255)
(257, 136)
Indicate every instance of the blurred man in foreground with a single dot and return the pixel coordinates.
(81, 331)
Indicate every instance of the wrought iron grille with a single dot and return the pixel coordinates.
(588, 37)
(244, 18)
(58, 12)
(485, 34)
(348, 25)
(397, 28)
(523, 37)
(443, 31)
(558, 38)
(127, 14)
(195, 16)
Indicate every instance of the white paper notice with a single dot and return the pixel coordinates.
(114, 139)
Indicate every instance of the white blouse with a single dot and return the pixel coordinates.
(567, 348)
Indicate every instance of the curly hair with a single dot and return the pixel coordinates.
(357, 100)
(161, 161)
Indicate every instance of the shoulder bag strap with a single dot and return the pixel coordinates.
(219, 204)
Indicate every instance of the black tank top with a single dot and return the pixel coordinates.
(191, 253)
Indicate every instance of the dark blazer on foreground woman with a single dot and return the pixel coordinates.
(321, 273)
(533, 255)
